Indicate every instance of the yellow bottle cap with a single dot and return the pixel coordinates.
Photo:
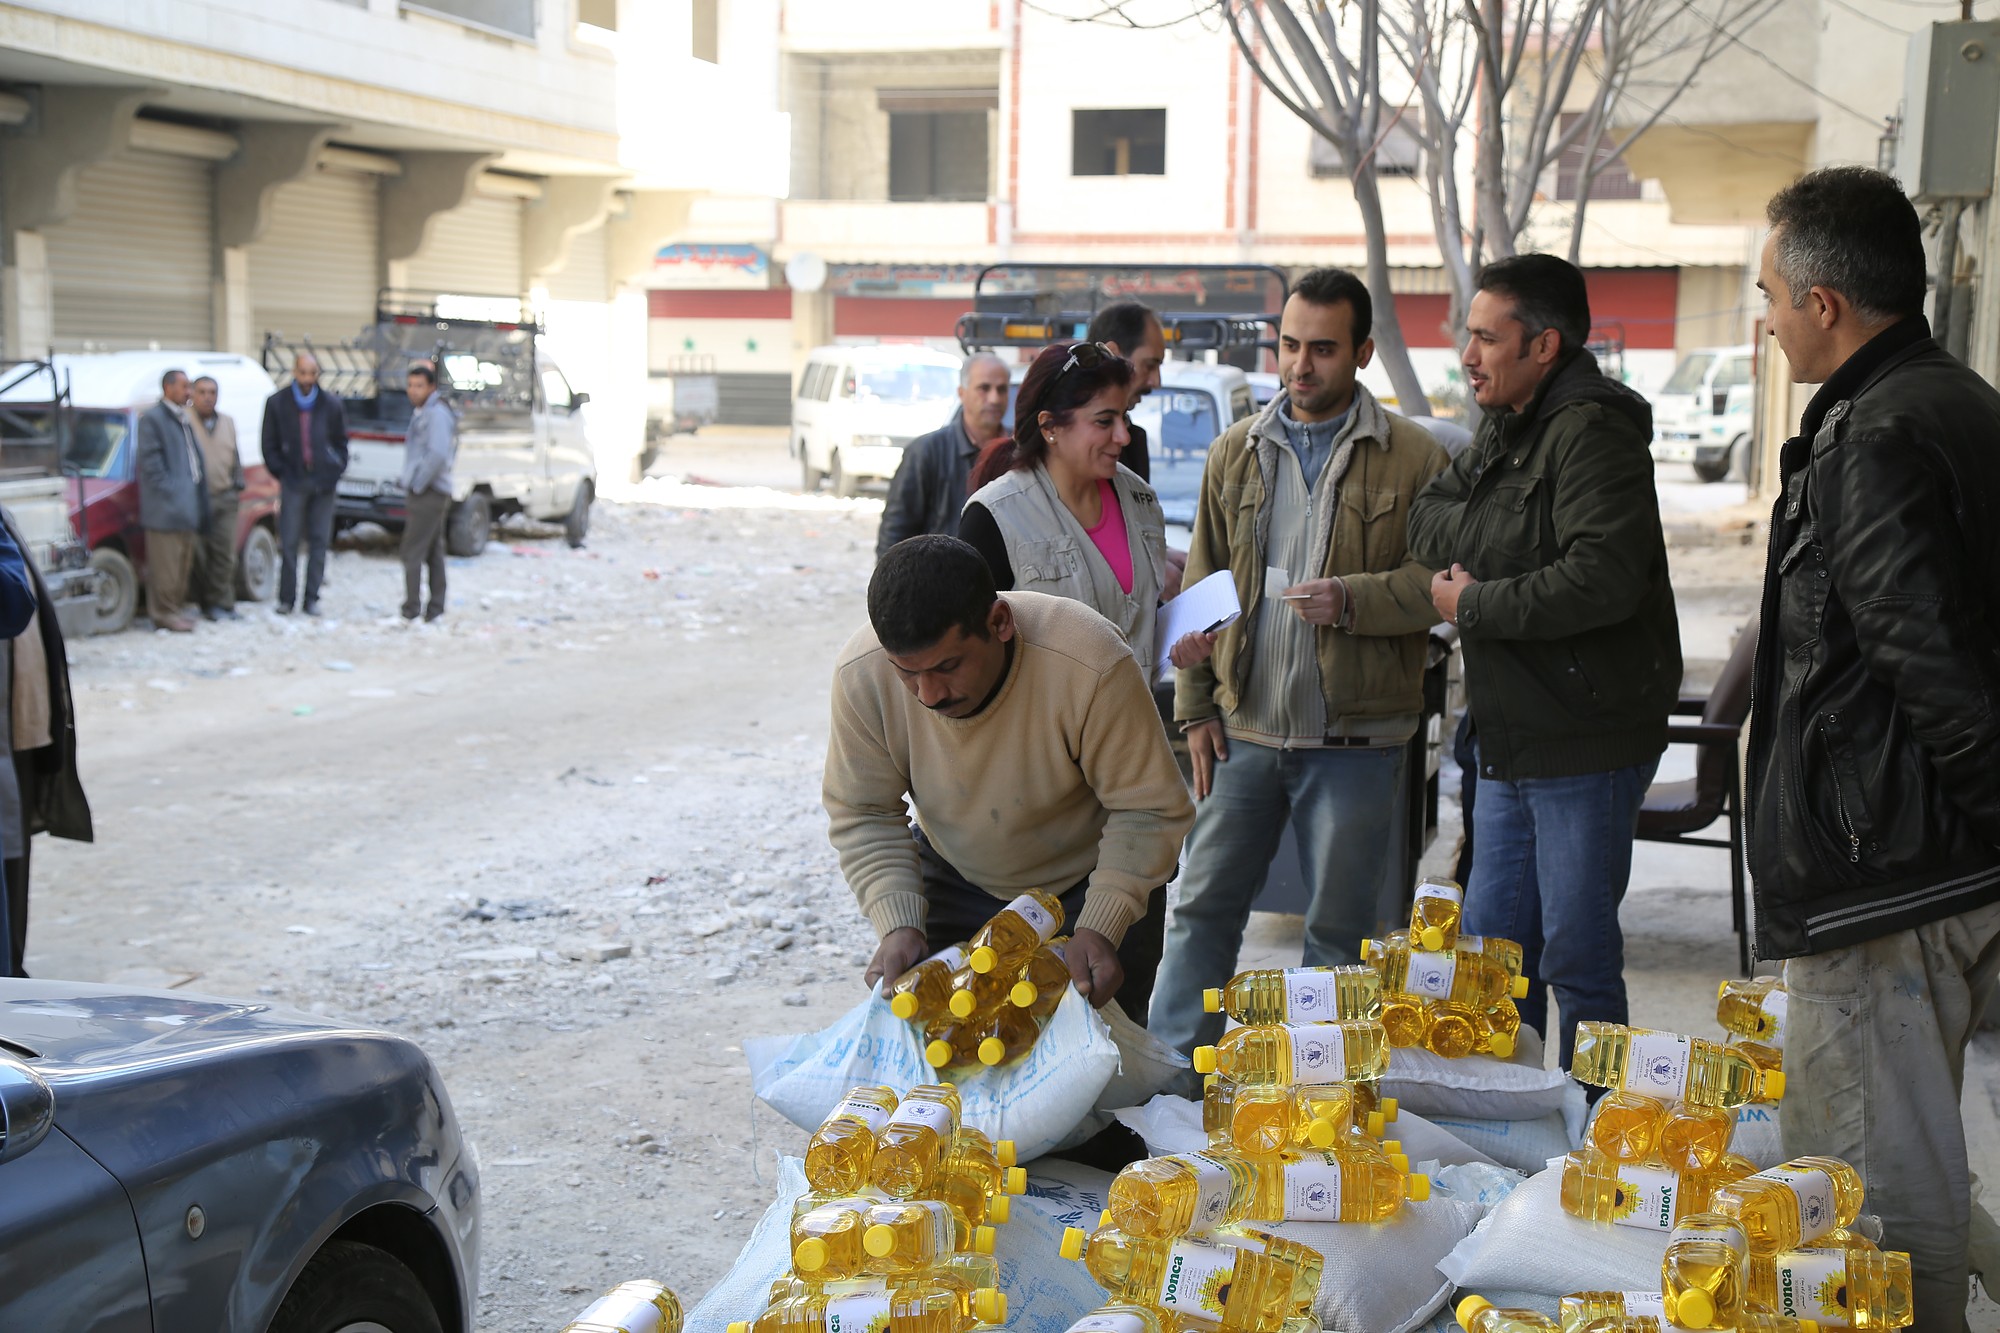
(1695, 1308)
(938, 1053)
(982, 1240)
(989, 1306)
(1808, 1326)
(1204, 1059)
(1391, 1108)
(1211, 1000)
(904, 1006)
(1722, 988)
(1400, 1162)
(1503, 1045)
(1774, 1084)
(1469, 1308)
(1418, 1188)
(1376, 1125)
(1017, 1180)
(1024, 995)
(810, 1256)
(1432, 938)
(1104, 1218)
(1210, 1082)
(739, 1327)
(982, 960)
(1392, 1145)
(961, 1004)
(1072, 1243)
(1518, 988)
(1000, 1209)
(1004, 1153)
(1322, 1132)
(879, 1240)
(992, 1051)
(1367, 947)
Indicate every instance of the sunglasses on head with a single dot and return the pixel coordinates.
(1085, 355)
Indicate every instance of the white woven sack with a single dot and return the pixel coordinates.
(1529, 1243)
(744, 1291)
(1171, 1124)
(1477, 1087)
(1756, 1136)
(1146, 1066)
(1381, 1277)
(1039, 1102)
(1524, 1145)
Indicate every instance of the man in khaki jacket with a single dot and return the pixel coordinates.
(215, 432)
(1306, 709)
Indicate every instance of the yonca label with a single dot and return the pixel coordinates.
(868, 1113)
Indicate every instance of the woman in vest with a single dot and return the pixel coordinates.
(1053, 511)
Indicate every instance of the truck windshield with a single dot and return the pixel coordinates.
(94, 441)
(909, 384)
(1689, 374)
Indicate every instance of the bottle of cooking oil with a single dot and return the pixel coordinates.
(1008, 1035)
(826, 1242)
(1456, 1031)
(1504, 952)
(1765, 1056)
(824, 1312)
(1322, 1113)
(1355, 1186)
(1476, 1314)
(631, 1307)
(1466, 979)
(1243, 1290)
(920, 994)
(1434, 914)
(841, 1150)
(1368, 1099)
(1122, 1317)
(1218, 1101)
(1705, 1272)
(1297, 995)
(915, 1234)
(1790, 1206)
(977, 993)
(1260, 1119)
(1669, 1067)
(1750, 1323)
(913, 1144)
(1159, 1197)
(1694, 1138)
(1502, 1036)
(1625, 1126)
(1043, 980)
(1581, 1308)
(1296, 1053)
(1406, 1020)
(1753, 1009)
(1015, 932)
(1633, 1194)
(1864, 1289)
(978, 1176)
(954, 1046)
(1308, 1264)
(936, 1308)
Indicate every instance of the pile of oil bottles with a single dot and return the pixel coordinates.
(1449, 993)
(982, 1003)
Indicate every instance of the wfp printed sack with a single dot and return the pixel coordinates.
(1172, 1124)
(1756, 1136)
(1477, 1087)
(1041, 1102)
(745, 1289)
(1381, 1277)
(1528, 1243)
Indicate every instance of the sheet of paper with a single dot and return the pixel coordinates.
(1209, 604)
(1276, 580)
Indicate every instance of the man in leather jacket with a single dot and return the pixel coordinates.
(1874, 782)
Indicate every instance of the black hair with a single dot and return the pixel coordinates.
(926, 585)
(1548, 293)
(205, 379)
(1047, 387)
(1122, 322)
(1333, 286)
(172, 375)
(1851, 230)
(423, 371)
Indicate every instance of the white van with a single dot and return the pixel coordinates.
(1702, 414)
(857, 407)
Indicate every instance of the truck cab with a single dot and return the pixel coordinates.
(1702, 414)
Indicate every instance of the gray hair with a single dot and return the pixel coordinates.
(965, 370)
(1850, 230)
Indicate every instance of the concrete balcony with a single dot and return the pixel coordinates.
(832, 26)
(878, 231)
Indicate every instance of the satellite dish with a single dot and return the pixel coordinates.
(805, 272)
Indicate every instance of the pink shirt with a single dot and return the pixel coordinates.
(1109, 535)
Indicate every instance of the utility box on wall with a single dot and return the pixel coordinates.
(1951, 111)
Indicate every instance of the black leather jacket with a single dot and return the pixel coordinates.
(1874, 782)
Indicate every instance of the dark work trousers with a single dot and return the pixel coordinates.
(1465, 754)
(958, 908)
(217, 567)
(423, 548)
(308, 514)
(15, 868)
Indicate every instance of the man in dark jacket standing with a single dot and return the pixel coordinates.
(931, 483)
(1874, 755)
(305, 448)
(1546, 533)
(173, 501)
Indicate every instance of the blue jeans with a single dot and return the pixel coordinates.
(1344, 807)
(1550, 862)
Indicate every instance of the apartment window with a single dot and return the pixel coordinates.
(516, 18)
(1119, 143)
(705, 40)
(938, 141)
(1612, 181)
(1398, 152)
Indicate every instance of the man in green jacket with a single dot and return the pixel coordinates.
(1305, 711)
(1546, 533)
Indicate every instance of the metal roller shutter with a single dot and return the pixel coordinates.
(585, 277)
(134, 265)
(754, 400)
(313, 273)
(475, 249)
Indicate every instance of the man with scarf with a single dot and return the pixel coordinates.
(173, 501)
(305, 448)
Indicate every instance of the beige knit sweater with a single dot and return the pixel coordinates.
(1065, 774)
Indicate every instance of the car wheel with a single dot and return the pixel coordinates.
(1715, 469)
(844, 485)
(353, 1288)
(809, 476)
(117, 591)
(470, 525)
(577, 526)
(257, 566)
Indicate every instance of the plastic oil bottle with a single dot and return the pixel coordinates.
(826, 1241)
(843, 1148)
(1669, 1067)
(1434, 914)
(1761, 1054)
(1368, 1099)
(1298, 995)
(1705, 1271)
(979, 1177)
(1335, 1187)
(823, 1312)
(1043, 980)
(1506, 953)
(916, 1234)
(1406, 1020)
(1008, 1034)
(938, 1308)
(954, 1046)
(631, 1307)
(1753, 1009)
(1865, 1289)
(1581, 1308)
(1015, 932)
(1218, 1102)
(913, 1144)
(1633, 1194)
(1159, 1197)
(1466, 979)
(1243, 1290)
(977, 993)
(1502, 1020)
(1748, 1323)
(1790, 1206)
(920, 994)
(1476, 1314)
(1267, 1119)
(1455, 1032)
(1295, 1053)
(1694, 1138)
(1625, 1126)
(1308, 1264)
(1122, 1317)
